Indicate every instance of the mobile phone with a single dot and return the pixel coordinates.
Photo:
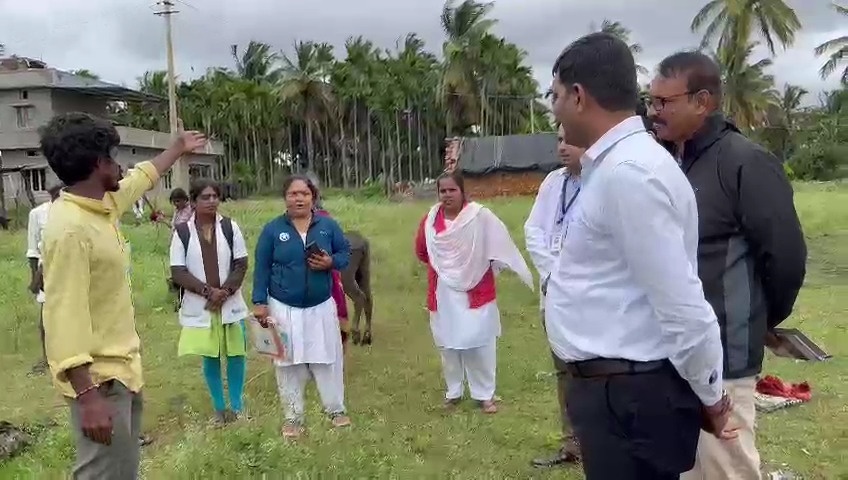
(312, 248)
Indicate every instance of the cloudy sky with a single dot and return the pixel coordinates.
(120, 39)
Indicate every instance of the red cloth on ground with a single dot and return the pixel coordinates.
(478, 296)
(774, 386)
(338, 292)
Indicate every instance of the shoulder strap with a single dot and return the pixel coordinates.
(227, 229)
(184, 234)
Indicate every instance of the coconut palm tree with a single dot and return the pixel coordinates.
(618, 30)
(749, 91)
(731, 23)
(256, 63)
(304, 85)
(839, 51)
(465, 25)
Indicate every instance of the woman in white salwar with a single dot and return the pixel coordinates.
(464, 244)
(292, 281)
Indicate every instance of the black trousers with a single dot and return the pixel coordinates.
(636, 426)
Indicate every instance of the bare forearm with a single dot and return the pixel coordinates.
(166, 160)
(79, 378)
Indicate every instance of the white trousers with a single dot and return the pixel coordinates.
(476, 365)
(291, 384)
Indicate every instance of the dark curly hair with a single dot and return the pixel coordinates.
(73, 143)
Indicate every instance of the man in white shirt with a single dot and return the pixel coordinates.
(544, 231)
(624, 306)
(35, 228)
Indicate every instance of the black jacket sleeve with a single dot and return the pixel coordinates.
(771, 226)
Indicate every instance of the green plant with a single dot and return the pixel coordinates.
(817, 162)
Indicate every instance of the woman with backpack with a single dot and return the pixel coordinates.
(208, 264)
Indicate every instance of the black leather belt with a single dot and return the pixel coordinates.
(605, 367)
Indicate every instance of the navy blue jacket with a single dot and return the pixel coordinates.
(281, 271)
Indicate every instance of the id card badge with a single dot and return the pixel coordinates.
(556, 243)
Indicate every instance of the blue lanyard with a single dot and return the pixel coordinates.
(564, 206)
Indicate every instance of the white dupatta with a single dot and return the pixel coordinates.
(474, 241)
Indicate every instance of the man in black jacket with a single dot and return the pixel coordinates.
(751, 254)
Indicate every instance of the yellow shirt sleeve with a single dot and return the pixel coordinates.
(133, 186)
(67, 318)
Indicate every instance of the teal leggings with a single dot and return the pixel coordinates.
(236, 367)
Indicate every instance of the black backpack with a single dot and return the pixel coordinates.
(184, 235)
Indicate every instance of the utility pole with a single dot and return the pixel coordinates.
(532, 115)
(180, 175)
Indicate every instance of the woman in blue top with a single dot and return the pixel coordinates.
(292, 289)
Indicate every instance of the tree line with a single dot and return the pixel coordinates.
(373, 116)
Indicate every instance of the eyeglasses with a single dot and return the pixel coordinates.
(658, 103)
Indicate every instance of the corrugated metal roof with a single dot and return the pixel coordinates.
(68, 81)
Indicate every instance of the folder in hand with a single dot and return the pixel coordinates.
(791, 343)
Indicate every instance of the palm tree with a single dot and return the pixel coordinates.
(782, 119)
(465, 26)
(748, 90)
(839, 45)
(256, 63)
(303, 84)
(732, 22)
(618, 30)
(790, 103)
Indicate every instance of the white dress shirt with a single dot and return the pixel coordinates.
(548, 221)
(626, 282)
(35, 233)
(35, 228)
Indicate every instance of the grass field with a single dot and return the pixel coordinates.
(394, 388)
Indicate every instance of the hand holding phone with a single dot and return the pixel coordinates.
(313, 250)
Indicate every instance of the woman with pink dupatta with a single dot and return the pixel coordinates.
(337, 289)
(464, 245)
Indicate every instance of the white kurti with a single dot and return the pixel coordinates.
(314, 334)
(455, 325)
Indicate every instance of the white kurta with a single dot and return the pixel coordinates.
(314, 334)
(475, 241)
(457, 326)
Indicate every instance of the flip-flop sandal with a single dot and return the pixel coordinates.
(292, 431)
(488, 407)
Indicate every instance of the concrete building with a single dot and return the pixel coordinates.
(32, 93)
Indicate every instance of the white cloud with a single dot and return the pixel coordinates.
(120, 40)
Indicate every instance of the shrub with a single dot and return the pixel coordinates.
(817, 162)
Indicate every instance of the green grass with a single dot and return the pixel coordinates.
(394, 389)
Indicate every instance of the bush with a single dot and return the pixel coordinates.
(817, 162)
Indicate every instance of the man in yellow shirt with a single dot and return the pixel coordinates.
(93, 348)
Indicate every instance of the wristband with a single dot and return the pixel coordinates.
(93, 386)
